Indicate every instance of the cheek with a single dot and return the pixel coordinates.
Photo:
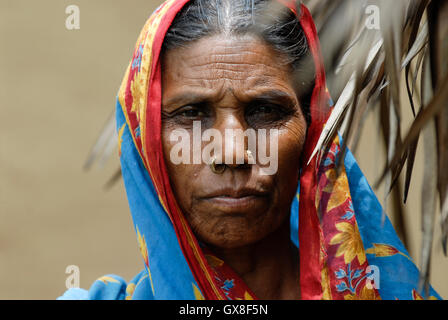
(186, 179)
(179, 175)
(290, 145)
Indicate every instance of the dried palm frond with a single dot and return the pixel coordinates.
(414, 41)
(367, 47)
(102, 150)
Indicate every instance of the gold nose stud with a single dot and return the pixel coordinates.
(217, 168)
(250, 157)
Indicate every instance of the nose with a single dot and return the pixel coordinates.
(235, 153)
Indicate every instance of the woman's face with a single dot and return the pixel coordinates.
(232, 83)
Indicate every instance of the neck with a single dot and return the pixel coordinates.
(274, 258)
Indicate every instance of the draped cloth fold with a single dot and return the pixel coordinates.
(346, 251)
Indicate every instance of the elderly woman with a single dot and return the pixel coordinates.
(222, 226)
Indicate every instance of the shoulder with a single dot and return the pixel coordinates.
(113, 287)
(108, 287)
(75, 294)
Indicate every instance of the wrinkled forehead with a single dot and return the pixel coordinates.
(221, 63)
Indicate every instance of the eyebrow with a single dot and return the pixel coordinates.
(187, 98)
(198, 98)
(274, 95)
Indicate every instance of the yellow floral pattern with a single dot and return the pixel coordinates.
(337, 187)
(365, 294)
(107, 279)
(417, 296)
(214, 261)
(120, 138)
(350, 243)
(130, 291)
(384, 250)
(197, 293)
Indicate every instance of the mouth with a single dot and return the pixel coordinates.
(237, 200)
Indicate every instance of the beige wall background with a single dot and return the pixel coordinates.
(57, 87)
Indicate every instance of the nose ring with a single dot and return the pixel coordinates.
(217, 168)
(250, 157)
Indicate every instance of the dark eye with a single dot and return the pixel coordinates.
(192, 113)
(264, 109)
(265, 114)
(187, 115)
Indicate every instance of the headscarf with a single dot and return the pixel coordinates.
(346, 250)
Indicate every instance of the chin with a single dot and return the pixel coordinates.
(237, 236)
